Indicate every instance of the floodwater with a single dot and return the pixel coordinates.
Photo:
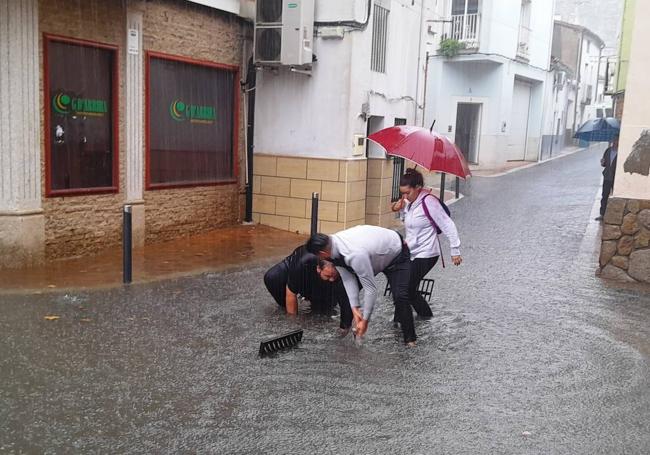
(527, 352)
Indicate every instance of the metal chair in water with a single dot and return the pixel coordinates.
(425, 289)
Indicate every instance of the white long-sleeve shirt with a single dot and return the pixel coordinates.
(367, 250)
(421, 236)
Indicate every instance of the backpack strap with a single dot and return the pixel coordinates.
(435, 227)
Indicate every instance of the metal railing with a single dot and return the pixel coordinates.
(524, 40)
(465, 28)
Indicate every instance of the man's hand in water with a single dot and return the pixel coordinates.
(362, 327)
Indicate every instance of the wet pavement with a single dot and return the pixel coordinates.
(211, 251)
(528, 352)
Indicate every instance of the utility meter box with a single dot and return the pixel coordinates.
(284, 32)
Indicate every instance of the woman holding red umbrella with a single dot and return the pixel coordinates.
(424, 218)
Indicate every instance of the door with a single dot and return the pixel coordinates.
(468, 125)
(519, 122)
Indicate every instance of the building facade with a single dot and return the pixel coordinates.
(310, 125)
(577, 93)
(489, 97)
(134, 102)
(625, 250)
(624, 50)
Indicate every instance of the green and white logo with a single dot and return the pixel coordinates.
(180, 111)
(65, 104)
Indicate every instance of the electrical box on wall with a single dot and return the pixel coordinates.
(284, 32)
(359, 147)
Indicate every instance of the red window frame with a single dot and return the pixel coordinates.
(235, 140)
(115, 96)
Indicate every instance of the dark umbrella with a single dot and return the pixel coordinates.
(599, 130)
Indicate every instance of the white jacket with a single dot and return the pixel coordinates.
(421, 236)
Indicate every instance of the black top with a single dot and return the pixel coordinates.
(302, 271)
(609, 171)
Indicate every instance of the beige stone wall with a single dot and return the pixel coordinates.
(76, 225)
(379, 189)
(283, 188)
(183, 211)
(79, 225)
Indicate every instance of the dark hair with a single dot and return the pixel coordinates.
(317, 242)
(411, 178)
(322, 263)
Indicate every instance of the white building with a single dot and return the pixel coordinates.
(489, 98)
(577, 93)
(311, 121)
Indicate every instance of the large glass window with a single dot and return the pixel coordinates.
(191, 122)
(81, 144)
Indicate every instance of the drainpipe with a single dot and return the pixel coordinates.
(579, 75)
(424, 94)
(417, 81)
(249, 90)
(600, 56)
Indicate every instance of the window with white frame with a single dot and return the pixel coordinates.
(379, 39)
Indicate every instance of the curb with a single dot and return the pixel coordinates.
(528, 166)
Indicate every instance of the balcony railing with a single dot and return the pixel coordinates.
(524, 39)
(465, 28)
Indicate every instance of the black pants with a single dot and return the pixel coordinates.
(398, 274)
(323, 295)
(419, 269)
(608, 185)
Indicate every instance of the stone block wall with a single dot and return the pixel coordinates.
(625, 250)
(379, 191)
(283, 187)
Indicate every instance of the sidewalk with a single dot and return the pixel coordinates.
(514, 166)
(216, 250)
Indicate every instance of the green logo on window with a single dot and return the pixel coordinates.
(65, 104)
(180, 112)
(292, 5)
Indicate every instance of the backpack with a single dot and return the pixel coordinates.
(434, 224)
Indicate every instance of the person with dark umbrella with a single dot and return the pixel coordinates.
(608, 162)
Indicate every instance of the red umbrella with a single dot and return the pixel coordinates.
(424, 147)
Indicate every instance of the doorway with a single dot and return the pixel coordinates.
(518, 141)
(468, 130)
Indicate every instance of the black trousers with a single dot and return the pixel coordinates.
(419, 269)
(399, 275)
(608, 185)
(323, 295)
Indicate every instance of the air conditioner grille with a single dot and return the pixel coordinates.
(269, 44)
(269, 11)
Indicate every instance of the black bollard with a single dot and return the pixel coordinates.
(127, 263)
(442, 187)
(314, 213)
(457, 187)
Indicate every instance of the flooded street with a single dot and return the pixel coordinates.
(527, 352)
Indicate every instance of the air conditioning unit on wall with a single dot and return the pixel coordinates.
(284, 32)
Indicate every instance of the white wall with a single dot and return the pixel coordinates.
(319, 115)
(301, 115)
(500, 29)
